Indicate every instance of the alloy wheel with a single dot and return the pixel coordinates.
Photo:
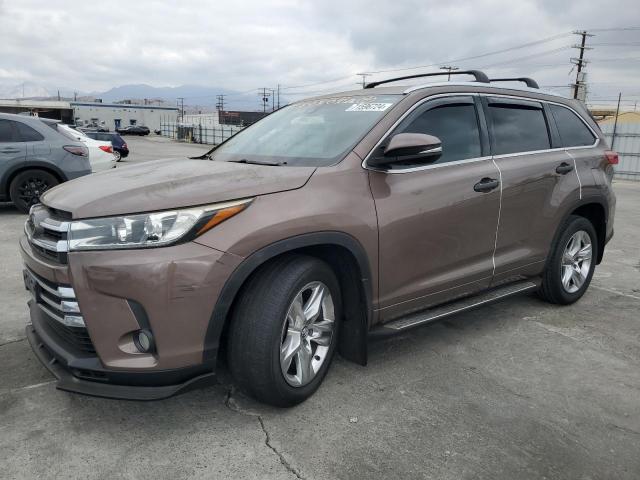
(307, 333)
(576, 261)
(31, 189)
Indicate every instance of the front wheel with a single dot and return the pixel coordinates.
(572, 262)
(27, 186)
(284, 330)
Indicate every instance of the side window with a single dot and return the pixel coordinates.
(518, 128)
(455, 124)
(6, 131)
(27, 134)
(573, 131)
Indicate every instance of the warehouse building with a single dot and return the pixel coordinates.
(83, 114)
(116, 115)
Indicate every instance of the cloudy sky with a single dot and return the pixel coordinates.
(311, 46)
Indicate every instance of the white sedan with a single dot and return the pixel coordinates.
(100, 153)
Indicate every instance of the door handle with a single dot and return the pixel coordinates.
(9, 150)
(564, 168)
(486, 185)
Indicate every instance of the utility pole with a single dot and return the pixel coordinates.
(220, 102)
(364, 78)
(273, 99)
(278, 96)
(449, 69)
(181, 105)
(580, 62)
(615, 123)
(265, 98)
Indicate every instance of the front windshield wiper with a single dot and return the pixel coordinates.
(258, 162)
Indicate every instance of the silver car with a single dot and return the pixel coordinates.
(34, 158)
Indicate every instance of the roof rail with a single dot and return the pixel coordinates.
(530, 82)
(479, 76)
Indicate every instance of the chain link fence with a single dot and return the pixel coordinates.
(198, 133)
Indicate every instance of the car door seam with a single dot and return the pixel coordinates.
(495, 243)
(575, 166)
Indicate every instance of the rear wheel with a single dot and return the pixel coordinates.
(284, 330)
(572, 262)
(27, 186)
(118, 155)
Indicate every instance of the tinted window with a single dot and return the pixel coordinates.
(6, 131)
(456, 125)
(27, 134)
(518, 128)
(573, 131)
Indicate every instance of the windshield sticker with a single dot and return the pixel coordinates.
(368, 107)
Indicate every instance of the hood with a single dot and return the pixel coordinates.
(169, 184)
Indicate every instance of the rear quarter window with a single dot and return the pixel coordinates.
(28, 134)
(573, 131)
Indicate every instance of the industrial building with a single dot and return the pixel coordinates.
(623, 134)
(109, 115)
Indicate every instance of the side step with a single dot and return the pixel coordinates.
(448, 309)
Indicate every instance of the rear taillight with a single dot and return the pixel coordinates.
(124, 145)
(77, 150)
(106, 148)
(612, 157)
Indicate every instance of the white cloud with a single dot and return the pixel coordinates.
(246, 44)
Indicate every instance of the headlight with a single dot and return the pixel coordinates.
(150, 229)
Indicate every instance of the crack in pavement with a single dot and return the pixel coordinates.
(13, 341)
(234, 407)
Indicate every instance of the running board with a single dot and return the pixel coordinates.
(446, 310)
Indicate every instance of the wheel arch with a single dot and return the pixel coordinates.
(595, 209)
(10, 174)
(347, 258)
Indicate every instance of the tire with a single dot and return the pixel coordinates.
(27, 186)
(118, 155)
(263, 325)
(555, 287)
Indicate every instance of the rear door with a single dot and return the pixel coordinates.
(436, 230)
(537, 177)
(12, 150)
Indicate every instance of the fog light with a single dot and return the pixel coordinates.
(143, 340)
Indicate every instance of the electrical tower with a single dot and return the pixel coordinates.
(181, 106)
(265, 94)
(580, 86)
(220, 102)
(364, 78)
(449, 69)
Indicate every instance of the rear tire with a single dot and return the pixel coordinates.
(118, 155)
(27, 187)
(572, 262)
(284, 330)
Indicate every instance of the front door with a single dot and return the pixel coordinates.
(437, 221)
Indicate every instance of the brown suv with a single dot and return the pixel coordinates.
(330, 221)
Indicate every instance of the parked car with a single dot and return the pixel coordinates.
(101, 154)
(120, 148)
(133, 130)
(330, 221)
(34, 158)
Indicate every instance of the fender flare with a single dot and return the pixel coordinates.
(28, 165)
(249, 265)
(598, 199)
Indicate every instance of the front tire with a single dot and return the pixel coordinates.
(284, 330)
(572, 262)
(27, 186)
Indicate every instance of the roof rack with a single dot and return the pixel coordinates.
(479, 76)
(530, 82)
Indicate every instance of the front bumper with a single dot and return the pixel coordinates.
(85, 374)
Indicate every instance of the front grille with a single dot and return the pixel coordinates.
(61, 311)
(47, 231)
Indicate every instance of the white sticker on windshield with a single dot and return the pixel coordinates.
(368, 107)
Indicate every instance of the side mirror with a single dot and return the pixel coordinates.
(405, 145)
(413, 145)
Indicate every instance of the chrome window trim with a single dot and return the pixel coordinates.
(475, 159)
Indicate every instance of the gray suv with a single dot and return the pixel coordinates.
(34, 158)
(330, 221)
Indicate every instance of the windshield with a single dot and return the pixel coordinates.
(308, 133)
